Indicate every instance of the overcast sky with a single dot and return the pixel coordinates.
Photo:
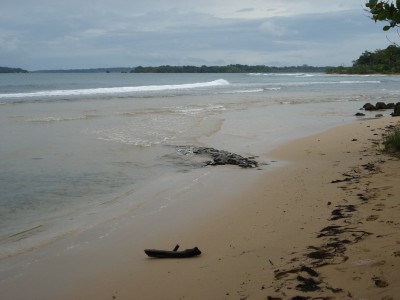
(53, 34)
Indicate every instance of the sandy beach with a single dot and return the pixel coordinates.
(323, 226)
(326, 223)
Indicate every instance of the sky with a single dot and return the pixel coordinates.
(54, 34)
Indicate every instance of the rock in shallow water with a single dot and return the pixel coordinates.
(221, 157)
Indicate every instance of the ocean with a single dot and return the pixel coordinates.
(80, 149)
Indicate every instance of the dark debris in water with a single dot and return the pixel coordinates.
(219, 157)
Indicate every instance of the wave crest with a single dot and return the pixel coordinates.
(117, 90)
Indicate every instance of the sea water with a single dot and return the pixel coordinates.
(79, 149)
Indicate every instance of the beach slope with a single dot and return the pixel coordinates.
(324, 225)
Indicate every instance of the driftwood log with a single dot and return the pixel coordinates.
(174, 253)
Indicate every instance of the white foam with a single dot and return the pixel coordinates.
(283, 74)
(304, 83)
(196, 110)
(117, 90)
(60, 119)
(245, 91)
(359, 81)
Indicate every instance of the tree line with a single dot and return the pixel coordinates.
(12, 70)
(237, 68)
(386, 61)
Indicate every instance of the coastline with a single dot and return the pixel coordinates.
(253, 238)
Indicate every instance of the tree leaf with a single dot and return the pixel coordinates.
(396, 17)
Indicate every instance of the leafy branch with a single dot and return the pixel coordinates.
(386, 11)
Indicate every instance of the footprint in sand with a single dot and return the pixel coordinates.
(380, 282)
(372, 218)
(388, 187)
(379, 206)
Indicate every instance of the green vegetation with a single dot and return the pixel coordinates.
(194, 69)
(227, 69)
(392, 141)
(386, 11)
(12, 70)
(385, 61)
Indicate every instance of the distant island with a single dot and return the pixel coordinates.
(12, 70)
(237, 68)
(385, 61)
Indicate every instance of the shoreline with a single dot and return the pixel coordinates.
(269, 228)
(254, 235)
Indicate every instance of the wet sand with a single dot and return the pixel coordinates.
(323, 225)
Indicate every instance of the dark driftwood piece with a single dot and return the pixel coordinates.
(174, 253)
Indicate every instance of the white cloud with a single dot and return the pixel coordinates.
(268, 9)
(9, 41)
(45, 33)
(271, 28)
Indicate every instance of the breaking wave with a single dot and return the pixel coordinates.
(116, 90)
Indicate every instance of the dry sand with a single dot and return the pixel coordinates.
(337, 201)
(324, 225)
